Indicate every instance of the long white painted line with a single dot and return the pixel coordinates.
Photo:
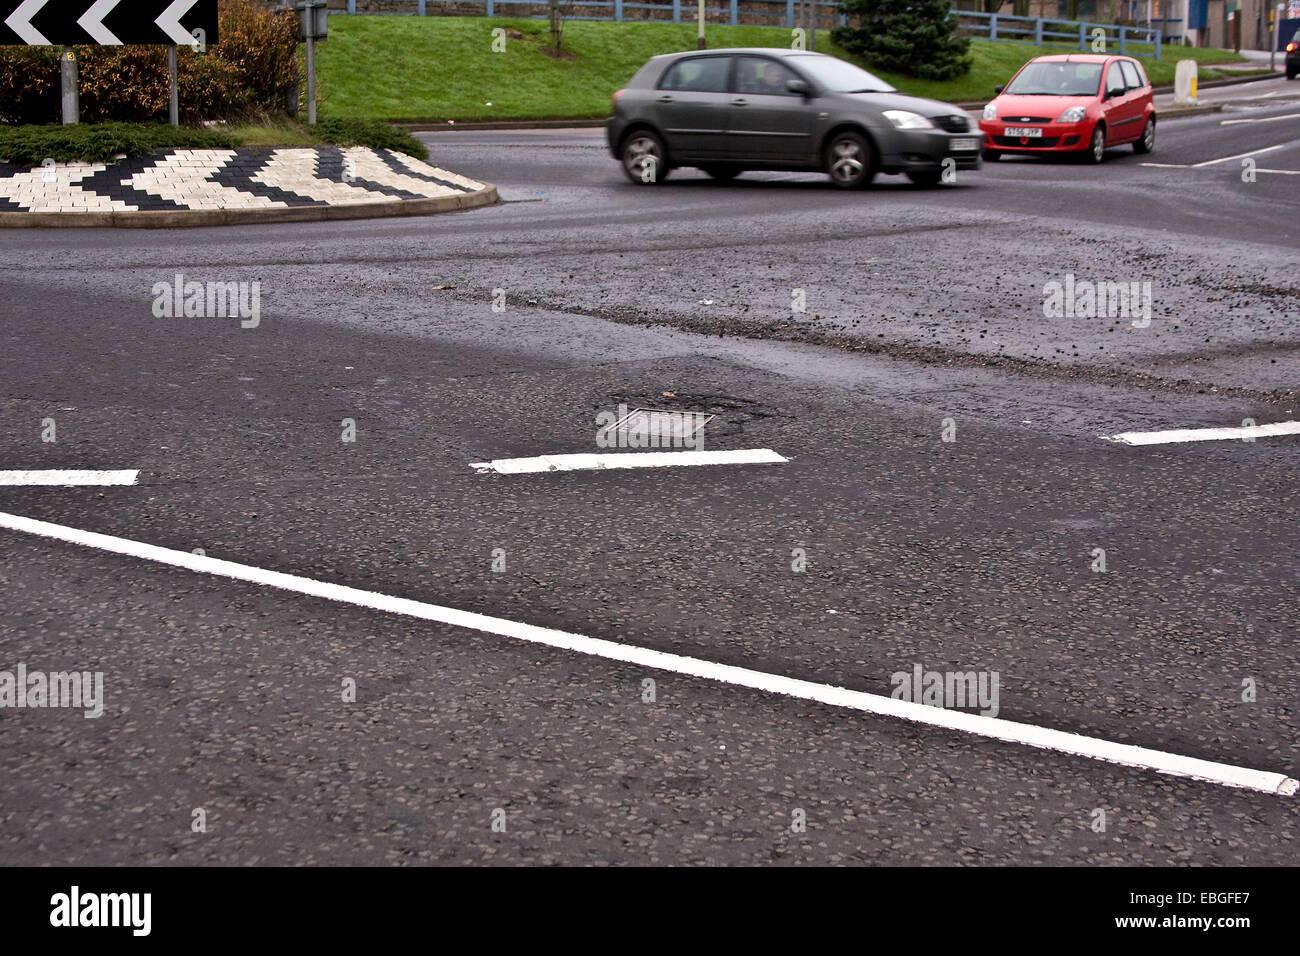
(65, 477)
(1259, 119)
(1226, 159)
(992, 727)
(649, 459)
(1205, 434)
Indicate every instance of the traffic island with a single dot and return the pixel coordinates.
(210, 187)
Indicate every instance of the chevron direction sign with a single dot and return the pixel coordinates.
(106, 22)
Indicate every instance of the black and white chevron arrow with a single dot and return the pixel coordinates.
(106, 22)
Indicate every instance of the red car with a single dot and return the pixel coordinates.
(1080, 103)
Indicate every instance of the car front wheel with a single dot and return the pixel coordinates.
(930, 177)
(848, 161)
(644, 158)
(1148, 140)
(1097, 147)
(991, 155)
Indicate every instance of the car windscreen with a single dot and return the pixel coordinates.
(838, 76)
(1056, 79)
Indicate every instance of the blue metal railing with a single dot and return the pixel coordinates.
(1040, 30)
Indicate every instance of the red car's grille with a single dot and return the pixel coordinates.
(1024, 119)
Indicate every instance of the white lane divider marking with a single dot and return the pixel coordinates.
(1259, 119)
(651, 459)
(996, 728)
(52, 476)
(1226, 159)
(1205, 434)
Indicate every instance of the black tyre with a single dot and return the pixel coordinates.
(848, 160)
(645, 160)
(927, 178)
(1096, 150)
(1148, 140)
(991, 155)
(723, 174)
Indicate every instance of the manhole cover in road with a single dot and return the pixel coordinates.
(651, 427)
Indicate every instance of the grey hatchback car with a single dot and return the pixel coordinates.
(727, 111)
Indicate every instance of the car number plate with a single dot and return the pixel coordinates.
(1030, 131)
(957, 145)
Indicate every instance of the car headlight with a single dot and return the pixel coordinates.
(905, 119)
(990, 112)
(1074, 114)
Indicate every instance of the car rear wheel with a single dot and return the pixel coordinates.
(848, 160)
(1097, 147)
(644, 158)
(1148, 140)
(722, 173)
(991, 155)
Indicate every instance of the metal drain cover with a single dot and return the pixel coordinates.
(659, 427)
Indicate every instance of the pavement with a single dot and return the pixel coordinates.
(948, 500)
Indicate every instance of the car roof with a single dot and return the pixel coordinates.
(758, 50)
(1076, 58)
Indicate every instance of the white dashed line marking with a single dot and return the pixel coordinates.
(991, 727)
(63, 477)
(652, 459)
(1205, 434)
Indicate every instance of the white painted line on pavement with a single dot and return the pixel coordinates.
(1205, 434)
(992, 727)
(651, 459)
(51, 476)
(1259, 119)
(1225, 159)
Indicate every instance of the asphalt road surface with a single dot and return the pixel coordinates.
(877, 546)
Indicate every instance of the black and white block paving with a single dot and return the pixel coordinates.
(214, 179)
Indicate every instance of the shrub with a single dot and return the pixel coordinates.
(100, 142)
(351, 132)
(913, 37)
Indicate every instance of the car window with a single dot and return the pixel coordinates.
(700, 74)
(1056, 78)
(839, 76)
(1114, 80)
(1131, 78)
(758, 74)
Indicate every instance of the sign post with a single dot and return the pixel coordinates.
(68, 84)
(173, 97)
(699, 43)
(314, 25)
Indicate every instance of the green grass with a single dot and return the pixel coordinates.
(440, 68)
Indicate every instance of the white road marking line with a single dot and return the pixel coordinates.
(1279, 172)
(996, 728)
(65, 477)
(651, 459)
(1259, 119)
(1226, 159)
(1205, 434)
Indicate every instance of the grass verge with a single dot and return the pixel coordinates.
(441, 68)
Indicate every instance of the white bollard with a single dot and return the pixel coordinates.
(1185, 83)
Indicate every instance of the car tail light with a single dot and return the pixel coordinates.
(1292, 47)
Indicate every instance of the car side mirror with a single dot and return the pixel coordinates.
(799, 87)
(997, 90)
